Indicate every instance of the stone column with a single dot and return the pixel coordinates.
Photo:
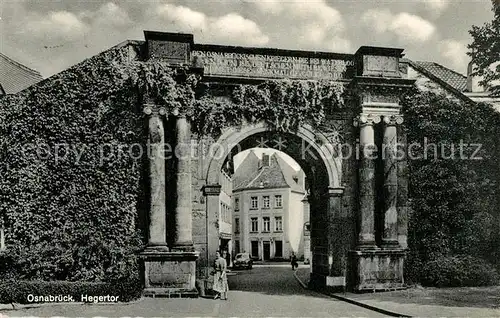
(402, 197)
(366, 238)
(389, 148)
(183, 210)
(2, 238)
(156, 142)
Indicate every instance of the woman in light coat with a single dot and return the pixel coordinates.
(220, 286)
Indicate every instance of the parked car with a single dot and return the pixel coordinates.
(243, 260)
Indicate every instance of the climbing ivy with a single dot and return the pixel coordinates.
(283, 105)
(455, 207)
(69, 198)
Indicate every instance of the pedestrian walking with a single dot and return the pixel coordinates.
(220, 286)
(293, 261)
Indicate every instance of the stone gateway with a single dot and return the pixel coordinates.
(358, 201)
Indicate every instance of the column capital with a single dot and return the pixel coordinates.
(178, 114)
(366, 119)
(211, 189)
(393, 120)
(154, 110)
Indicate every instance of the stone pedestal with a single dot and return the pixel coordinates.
(378, 270)
(169, 274)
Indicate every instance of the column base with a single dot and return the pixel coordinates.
(367, 245)
(156, 247)
(390, 244)
(187, 246)
(378, 270)
(169, 273)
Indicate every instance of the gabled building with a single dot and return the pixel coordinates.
(436, 77)
(14, 77)
(268, 208)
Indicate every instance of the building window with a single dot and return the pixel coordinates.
(278, 247)
(254, 203)
(278, 224)
(266, 202)
(236, 204)
(278, 202)
(267, 226)
(236, 246)
(237, 225)
(255, 224)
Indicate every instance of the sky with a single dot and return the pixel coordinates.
(52, 35)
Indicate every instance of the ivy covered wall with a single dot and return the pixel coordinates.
(70, 197)
(455, 215)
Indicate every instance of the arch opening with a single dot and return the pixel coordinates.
(311, 151)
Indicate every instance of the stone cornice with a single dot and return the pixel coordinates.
(367, 83)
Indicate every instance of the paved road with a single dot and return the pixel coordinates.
(260, 292)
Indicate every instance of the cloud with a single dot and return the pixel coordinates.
(56, 24)
(111, 14)
(183, 17)
(315, 25)
(435, 6)
(230, 28)
(412, 27)
(238, 29)
(408, 27)
(455, 52)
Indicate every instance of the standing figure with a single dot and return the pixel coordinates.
(220, 277)
(293, 261)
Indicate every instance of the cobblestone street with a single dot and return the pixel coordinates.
(261, 292)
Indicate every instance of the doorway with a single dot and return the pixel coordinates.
(267, 250)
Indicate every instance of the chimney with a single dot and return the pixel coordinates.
(266, 162)
(473, 80)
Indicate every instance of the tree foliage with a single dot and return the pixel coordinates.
(485, 50)
(454, 198)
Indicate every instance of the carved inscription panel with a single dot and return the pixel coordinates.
(271, 66)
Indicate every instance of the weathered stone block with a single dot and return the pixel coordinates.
(378, 269)
(174, 271)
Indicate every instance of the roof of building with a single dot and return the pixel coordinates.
(278, 174)
(246, 170)
(14, 77)
(450, 77)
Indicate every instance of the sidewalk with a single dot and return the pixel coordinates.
(407, 306)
